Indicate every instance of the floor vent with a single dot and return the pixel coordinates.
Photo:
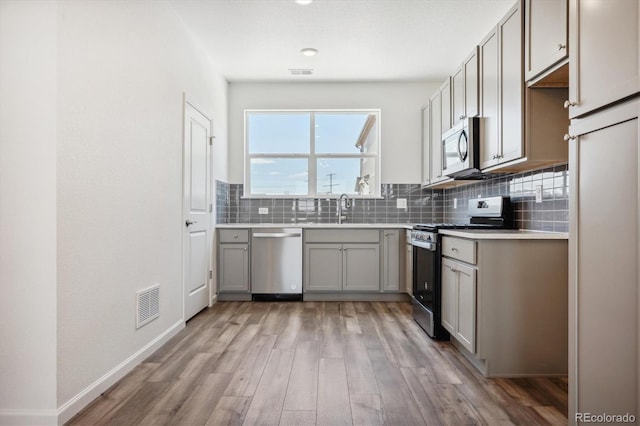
(147, 305)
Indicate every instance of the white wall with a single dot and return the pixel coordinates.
(91, 128)
(123, 69)
(401, 115)
(27, 211)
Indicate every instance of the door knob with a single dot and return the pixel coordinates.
(190, 222)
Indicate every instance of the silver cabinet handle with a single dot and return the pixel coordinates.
(454, 249)
(568, 137)
(568, 104)
(190, 222)
(462, 117)
(561, 46)
(235, 235)
(245, 249)
(276, 234)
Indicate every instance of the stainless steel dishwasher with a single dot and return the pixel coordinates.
(276, 264)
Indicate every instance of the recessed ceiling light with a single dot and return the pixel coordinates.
(304, 2)
(309, 51)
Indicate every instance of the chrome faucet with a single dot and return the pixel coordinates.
(344, 202)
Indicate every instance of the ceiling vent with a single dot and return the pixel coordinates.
(147, 305)
(300, 71)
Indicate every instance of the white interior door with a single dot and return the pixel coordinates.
(196, 211)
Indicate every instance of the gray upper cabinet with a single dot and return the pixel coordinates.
(545, 35)
(604, 60)
(391, 259)
(465, 89)
(426, 145)
(490, 100)
(436, 138)
(445, 106)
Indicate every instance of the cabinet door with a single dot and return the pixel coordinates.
(436, 138)
(511, 86)
(426, 145)
(545, 35)
(449, 296)
(391, 260)
(323, 267)
(489, 100)
(604, 63)
(233, 268)
(458, 96)
(445, 102)
(471, 84)
(361, 268)
(466, 309)
(603, 262)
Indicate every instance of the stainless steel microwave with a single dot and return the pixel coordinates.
(461, 149)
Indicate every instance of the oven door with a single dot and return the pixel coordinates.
(425, 275)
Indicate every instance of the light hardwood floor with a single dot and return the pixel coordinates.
(317, 363)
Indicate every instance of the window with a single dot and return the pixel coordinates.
(312, 153)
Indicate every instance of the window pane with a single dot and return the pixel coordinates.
(279, 133)
(345, 133)
(279, 176)
(346, 175)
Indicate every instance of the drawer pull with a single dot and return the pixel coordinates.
(235, 235)
(454, 249)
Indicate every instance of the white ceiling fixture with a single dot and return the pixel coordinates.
(309, 51)
(360, 40)
(304, 2)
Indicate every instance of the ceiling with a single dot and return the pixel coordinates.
(357, 40)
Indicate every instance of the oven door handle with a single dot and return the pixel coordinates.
(424, 245)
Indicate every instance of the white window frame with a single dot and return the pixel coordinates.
(312, 157)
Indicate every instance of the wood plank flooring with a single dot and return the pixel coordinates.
(317, 363)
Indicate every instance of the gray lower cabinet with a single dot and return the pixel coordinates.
(391, 260)
(233, 261)
(233, 268)
(505, 304)
(342, 267)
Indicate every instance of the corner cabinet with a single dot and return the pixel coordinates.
(604, 60)
(545, 35)
(233, 262)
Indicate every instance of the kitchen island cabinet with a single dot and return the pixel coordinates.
(505, 301)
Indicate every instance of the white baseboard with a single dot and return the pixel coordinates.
(28, 417)
(81, 400)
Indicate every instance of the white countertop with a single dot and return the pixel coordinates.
(316, 225)
(505, 234)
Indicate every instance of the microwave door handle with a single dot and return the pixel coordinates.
(462, 156)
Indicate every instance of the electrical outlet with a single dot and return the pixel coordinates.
(401, 203)
(538, 193)
(455, 203)
(263, 210)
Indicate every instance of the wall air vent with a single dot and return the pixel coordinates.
(300, 71)
(147, 305)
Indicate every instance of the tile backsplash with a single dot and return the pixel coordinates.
(423, 205)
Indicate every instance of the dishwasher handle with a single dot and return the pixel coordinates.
(277, 234)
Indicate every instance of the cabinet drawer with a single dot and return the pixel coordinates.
(458, 248)
(342, 236)
(233, 235)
